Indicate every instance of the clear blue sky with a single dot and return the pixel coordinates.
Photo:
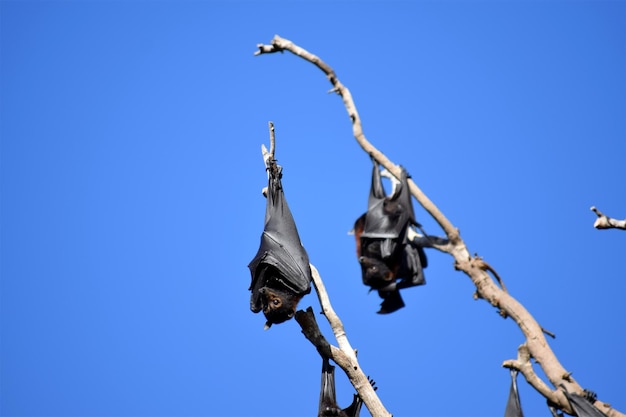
(131, 181)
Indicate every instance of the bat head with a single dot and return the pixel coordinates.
(278, 306)
(375, 272)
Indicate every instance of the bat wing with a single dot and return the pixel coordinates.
(413, 264)
(404, 196)
(582, 406)
(392, 301)
(281, 248)
(328, 398)
(513, 405)
(388, 216)
(377, 191)
(354, 409)
(358, 231)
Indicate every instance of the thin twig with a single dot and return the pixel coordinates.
(272, 139)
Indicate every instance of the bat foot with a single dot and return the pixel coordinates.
(391, 302)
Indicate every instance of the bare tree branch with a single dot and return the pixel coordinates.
(310, 329)
(605, 222)
(345, 356)
(536, 344)
(281, 44)
(524, 365)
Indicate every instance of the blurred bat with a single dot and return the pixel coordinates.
(389, 261)
(280, 270)
(328, 400)
(583, 405)
(513, 405)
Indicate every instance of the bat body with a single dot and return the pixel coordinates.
(389, 261)
(328, 401)
(280, 270)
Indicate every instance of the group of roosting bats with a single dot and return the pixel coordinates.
(390, 261)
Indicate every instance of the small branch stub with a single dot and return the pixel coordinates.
(605, 222)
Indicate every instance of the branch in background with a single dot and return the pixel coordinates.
(279, 44)
(605, 222)
(536, 344)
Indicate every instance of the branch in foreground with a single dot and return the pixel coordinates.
(310, 329)
(537, 345)
(605, 222)
(343, 356)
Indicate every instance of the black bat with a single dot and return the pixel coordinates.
(280, 270)
(389, 261)
(328, 399)
(513, 405)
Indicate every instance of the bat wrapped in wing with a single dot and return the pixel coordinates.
(280, 270)
(328, 399)
(389, 261)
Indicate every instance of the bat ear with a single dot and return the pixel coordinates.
(267, 325)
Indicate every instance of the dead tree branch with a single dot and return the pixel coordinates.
(536, 344)
(344, 356)
(605, 222)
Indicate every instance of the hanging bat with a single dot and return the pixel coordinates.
(328, 400)
(513, 405)
(280, 270)
(389, 261)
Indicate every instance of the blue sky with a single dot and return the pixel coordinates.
(131, 179)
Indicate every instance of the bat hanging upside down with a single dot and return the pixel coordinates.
(328, 400)
(280, 270)
(389, 261)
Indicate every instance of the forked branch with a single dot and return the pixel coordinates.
(536, 344)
